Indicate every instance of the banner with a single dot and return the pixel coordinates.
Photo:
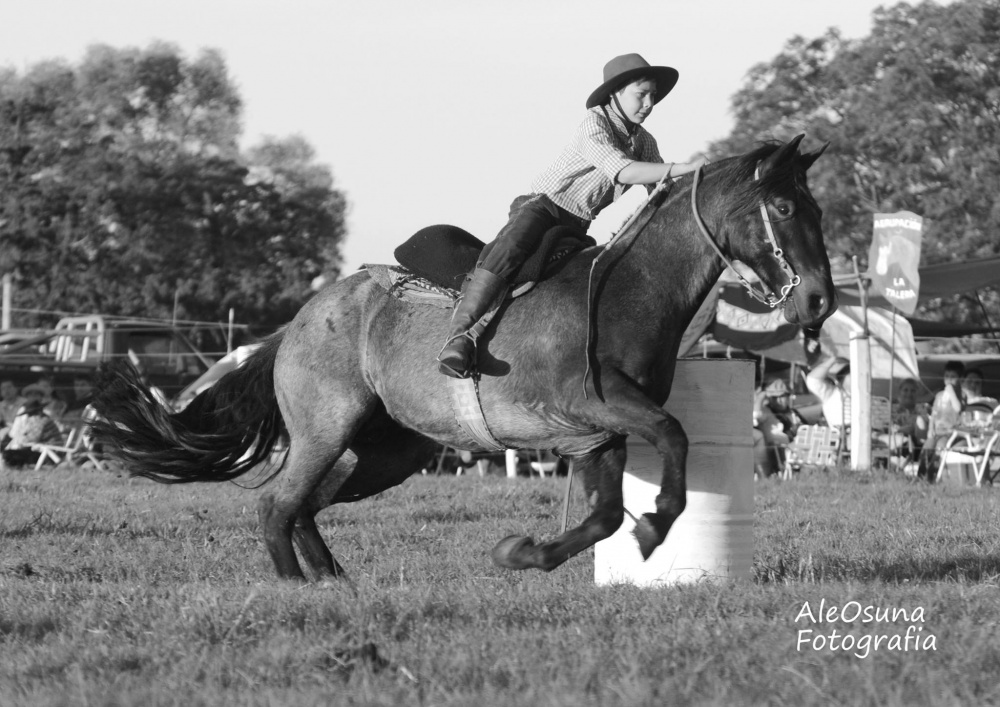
(894, 258)
(745, 323)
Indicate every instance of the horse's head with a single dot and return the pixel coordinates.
(775, 230)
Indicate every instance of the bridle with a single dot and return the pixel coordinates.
(767, 298)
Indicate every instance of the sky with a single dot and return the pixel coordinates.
(443, 111)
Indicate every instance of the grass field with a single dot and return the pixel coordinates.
(119, 592)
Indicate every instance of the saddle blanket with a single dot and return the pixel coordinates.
(403, 284)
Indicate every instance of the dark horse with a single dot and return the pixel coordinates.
(353, 386)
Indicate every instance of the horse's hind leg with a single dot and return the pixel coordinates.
(305, 534)
(601, 472)
(313, 549)
(287, 508)
(383, 454)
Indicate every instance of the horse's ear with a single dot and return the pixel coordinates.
(786, 152)
(809, 158)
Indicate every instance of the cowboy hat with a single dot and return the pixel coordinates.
(627, 68)
(841, 365)
(33, 388)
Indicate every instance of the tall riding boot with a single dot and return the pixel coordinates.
(481, 292)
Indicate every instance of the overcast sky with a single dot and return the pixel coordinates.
(442, 111)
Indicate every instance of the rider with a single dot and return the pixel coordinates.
(610, 152)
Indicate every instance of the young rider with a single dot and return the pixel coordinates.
(609, 152)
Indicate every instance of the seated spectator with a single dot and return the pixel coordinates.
(774, 425)
(54, 406)
(83, 393)
(10, 402)
(972, 392)
(31, 426)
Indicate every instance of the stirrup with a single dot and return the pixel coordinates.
(451, 371)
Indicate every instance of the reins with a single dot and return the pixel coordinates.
(767, 298)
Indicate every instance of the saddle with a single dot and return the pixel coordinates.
(434, 262)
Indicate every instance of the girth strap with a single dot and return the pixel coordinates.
(469, 411)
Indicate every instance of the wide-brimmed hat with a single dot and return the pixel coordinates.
(841, 365)
(775, 387)
(33, 388)
(626, 68)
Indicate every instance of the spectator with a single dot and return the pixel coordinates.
(945, 411)
(909, 425)
(10, 402)
(972, 390)
(773, 425)
(83, 394)
(54, 406)
(948, 402)
(31, 426)
(830, 381)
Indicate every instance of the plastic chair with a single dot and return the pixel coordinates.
(973, 443)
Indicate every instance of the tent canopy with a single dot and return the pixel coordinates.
(941, 280)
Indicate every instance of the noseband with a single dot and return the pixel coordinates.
(767, 298)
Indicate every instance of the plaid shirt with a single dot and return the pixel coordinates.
(582, 180)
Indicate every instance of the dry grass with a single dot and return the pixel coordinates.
(127, 593)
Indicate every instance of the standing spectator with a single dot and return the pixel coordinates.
(948, 402)
(909, 424)
(10, 402)
(945, 411)
(31, 426)
(830, 381)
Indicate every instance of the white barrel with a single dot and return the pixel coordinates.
(713, 538)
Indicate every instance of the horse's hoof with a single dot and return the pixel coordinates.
(647, 535)
(512, 552)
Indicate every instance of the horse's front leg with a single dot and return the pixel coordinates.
(601, 472)
(627, 410)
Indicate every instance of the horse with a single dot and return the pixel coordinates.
(586, 359)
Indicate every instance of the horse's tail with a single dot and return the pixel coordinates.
(223, 433)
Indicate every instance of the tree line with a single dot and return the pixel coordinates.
(912, 115)
(123, 190)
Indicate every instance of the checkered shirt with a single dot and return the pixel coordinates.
(582, 180)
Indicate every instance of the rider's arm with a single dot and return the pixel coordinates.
(652, 172)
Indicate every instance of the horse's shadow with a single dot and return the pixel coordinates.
(834, 568)
(968, 568)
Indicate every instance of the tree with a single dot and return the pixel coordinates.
(912, 114)
(125, 192)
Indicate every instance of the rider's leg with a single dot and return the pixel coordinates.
(530, 218)
(480, 292)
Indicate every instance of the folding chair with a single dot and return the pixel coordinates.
(814, 445)
(76, 447)
(57, 453)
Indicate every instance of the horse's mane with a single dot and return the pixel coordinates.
(736, 178)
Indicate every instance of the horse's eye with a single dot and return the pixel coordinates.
(784, 208)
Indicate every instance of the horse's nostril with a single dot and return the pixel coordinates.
(817, 303)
